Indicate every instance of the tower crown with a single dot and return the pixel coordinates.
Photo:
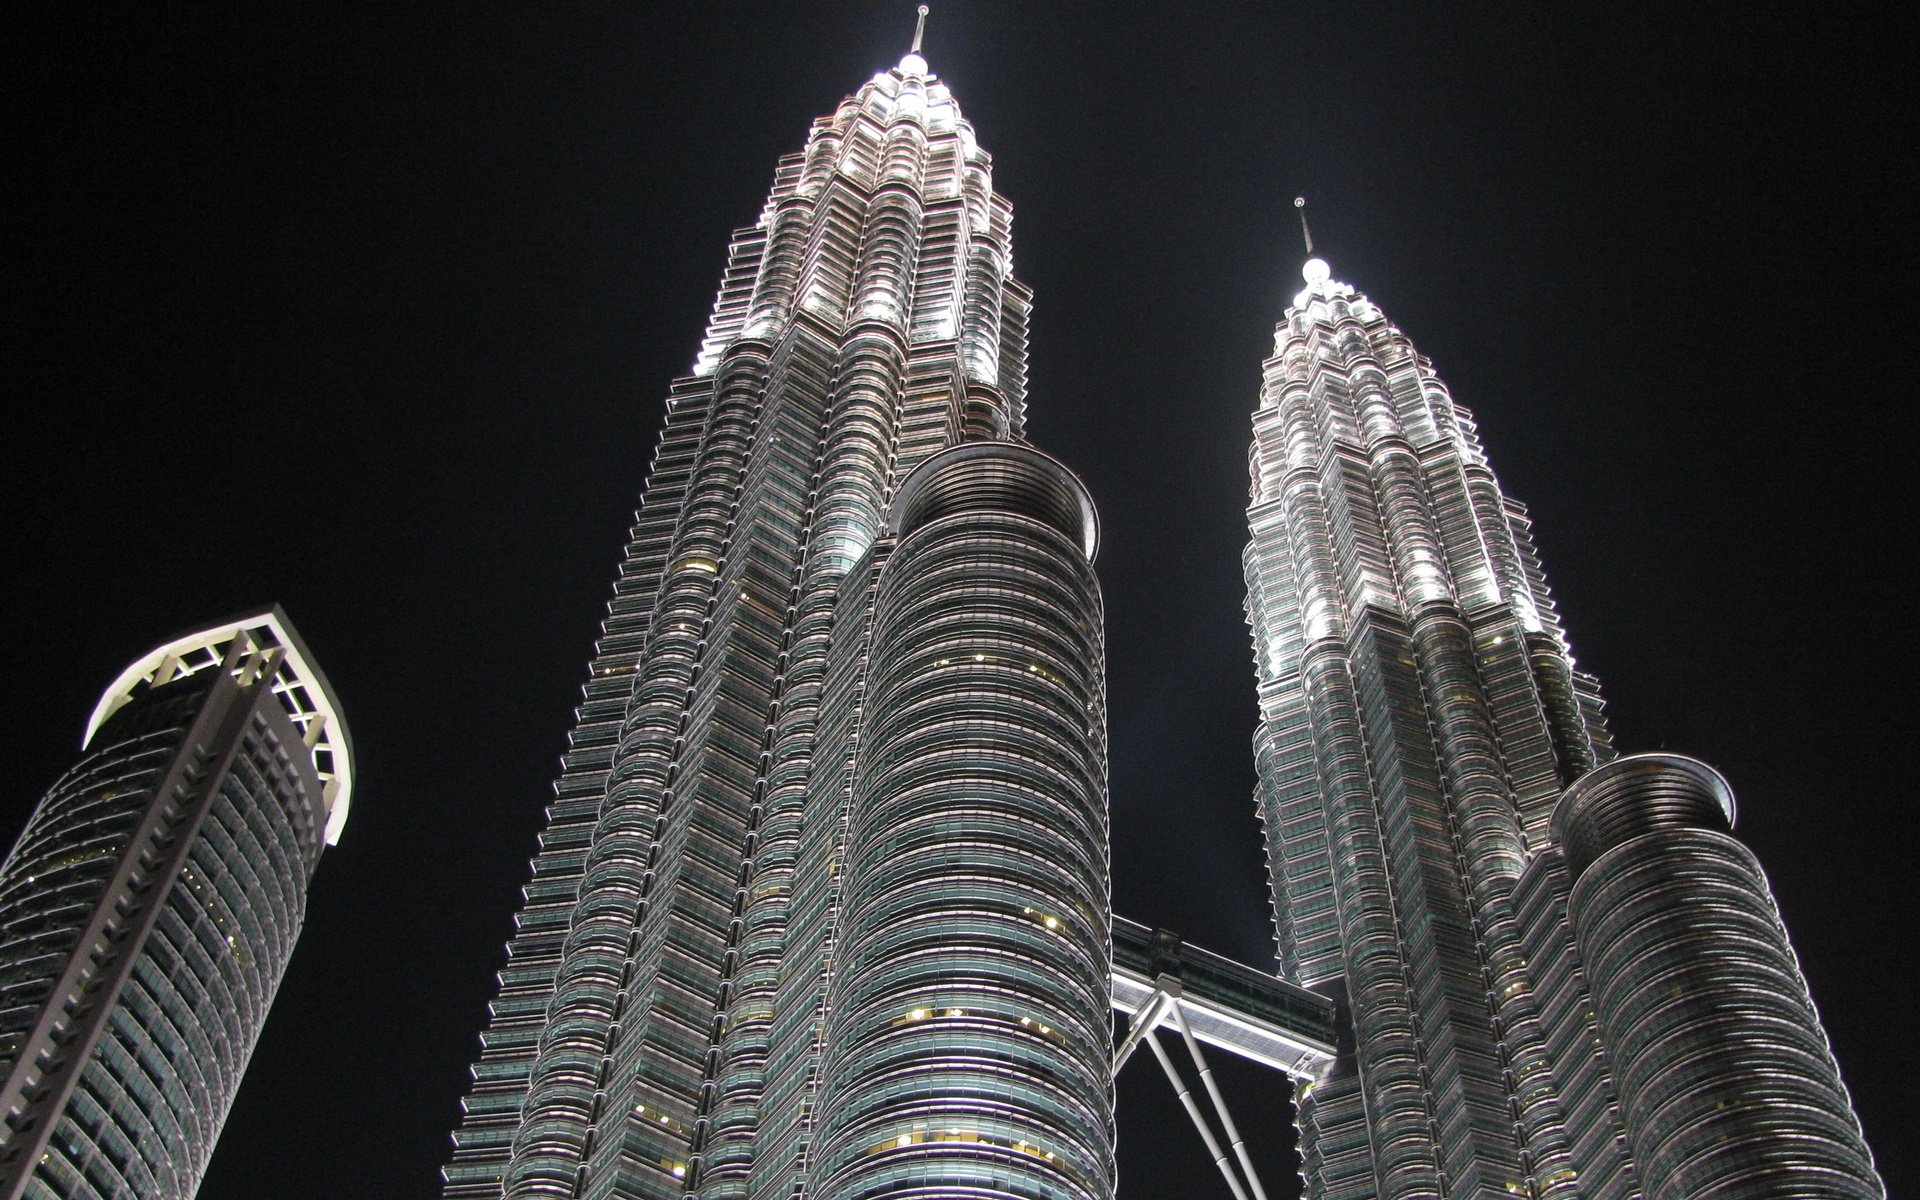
(1321, 285)
(303, 691)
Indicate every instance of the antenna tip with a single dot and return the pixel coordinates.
(1299, 201)
(919, 31)
(924, 10)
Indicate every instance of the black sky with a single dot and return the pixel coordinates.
(372, 313)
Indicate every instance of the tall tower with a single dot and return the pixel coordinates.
(1561, 975)
(822, 901)
(150, 907)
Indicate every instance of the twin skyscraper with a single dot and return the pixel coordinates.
(822, 902)
(822, 908)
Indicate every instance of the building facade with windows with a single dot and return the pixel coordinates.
(1558, 973)
(822, 900)
(150, 906)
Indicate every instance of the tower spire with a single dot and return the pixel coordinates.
(1315, 270)
(919, 31)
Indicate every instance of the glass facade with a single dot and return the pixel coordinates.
(150, 906)
(753, 873)
(1421, 721)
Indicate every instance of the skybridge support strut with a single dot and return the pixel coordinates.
(1162, 1002)
(1162, 983)
(1199, 1120)
(1151, 1013)
(1219, 1102)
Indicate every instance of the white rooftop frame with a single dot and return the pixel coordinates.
(319, 719)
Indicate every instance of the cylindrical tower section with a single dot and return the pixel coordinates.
(968, 1018)
(1726, 1082)
(150, 906)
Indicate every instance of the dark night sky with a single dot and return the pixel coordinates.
(372, 313)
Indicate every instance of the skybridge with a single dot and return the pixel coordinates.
(1162, 983)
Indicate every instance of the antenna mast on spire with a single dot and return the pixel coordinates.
(919, 30)
(1300, 203)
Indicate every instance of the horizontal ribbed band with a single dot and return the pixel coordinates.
(1008, 476)
(1636, 795)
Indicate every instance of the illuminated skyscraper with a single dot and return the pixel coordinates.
(822, 899)
(1562, 977)
(150, 907)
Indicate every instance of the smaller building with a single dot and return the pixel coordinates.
(150, 906)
